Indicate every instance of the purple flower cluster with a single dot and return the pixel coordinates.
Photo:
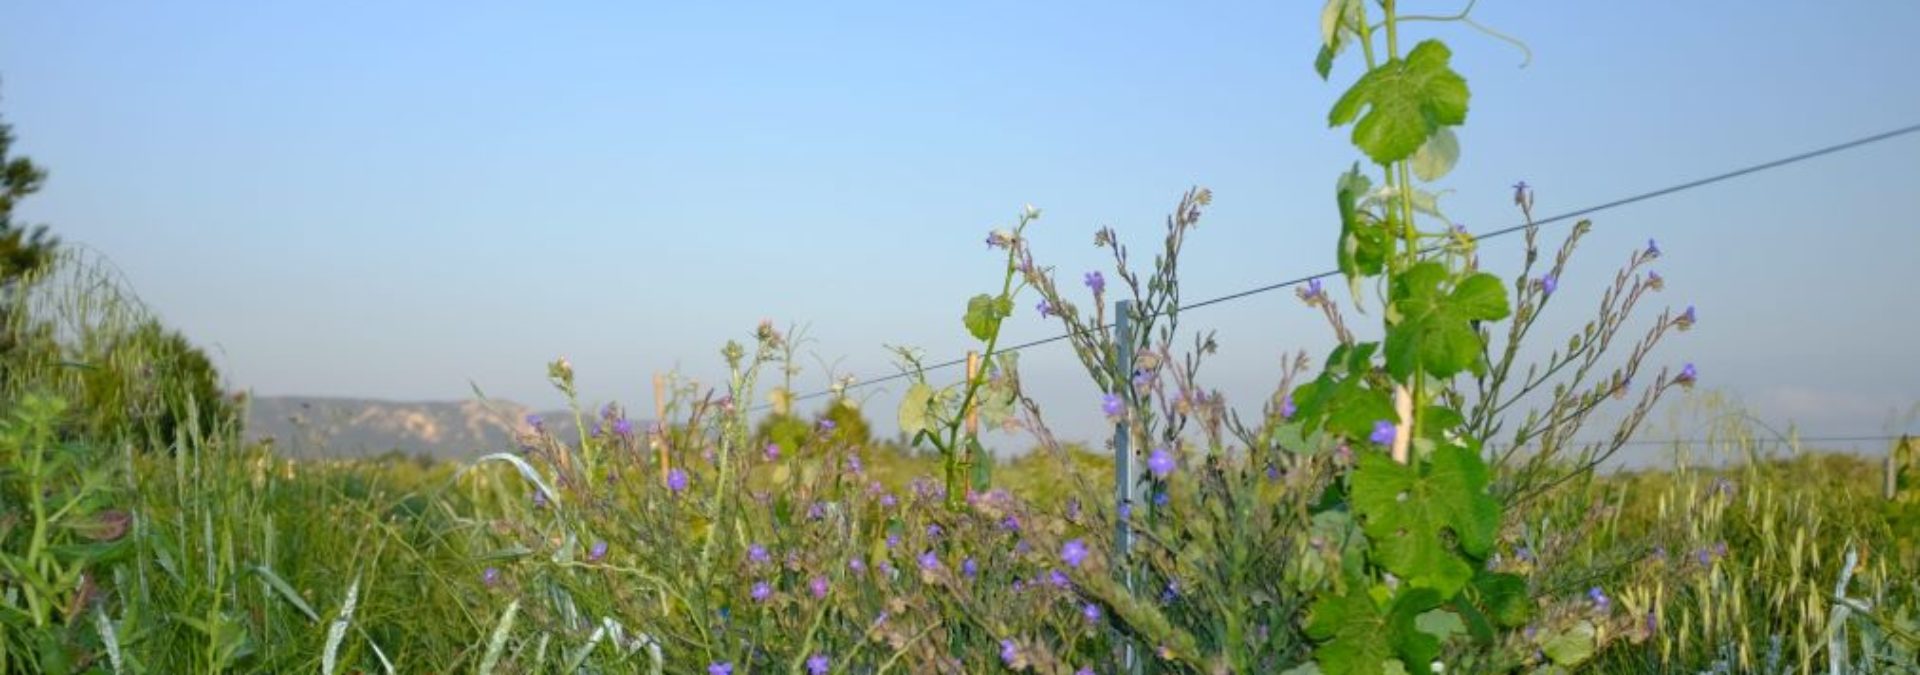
(677, 480)
(1161, 463)
(1096, 282)
(1383, 432)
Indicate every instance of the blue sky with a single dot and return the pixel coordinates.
(391, 200)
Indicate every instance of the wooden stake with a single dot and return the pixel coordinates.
(973, 411)
(660, 424)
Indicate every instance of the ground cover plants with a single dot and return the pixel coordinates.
(1420, 499)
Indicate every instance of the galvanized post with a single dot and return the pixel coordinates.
(1125, 487)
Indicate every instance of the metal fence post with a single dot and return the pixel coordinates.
(1125, 488)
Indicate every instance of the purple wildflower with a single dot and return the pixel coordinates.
(1091, 612)
(1601, 602)
(1520, 196)
(1548, 283)
(1009, 652)
(1314, 293)
(1160, 463)
(598, 551)
(761, 590)
(887, 500)
(677, 480)
(1688, 375)
(826, 426)
(1074, 552)
(969, 568)
(1287, 408)
(720, 668)
(934, 530)
(1111, 404)
(818, 586)
(929, 561)
(773, 452)
(1046, 309)
(1653, 249)
(998, 239)
(1058, 579)
(1096, 282)
(1011, 522)
(1160, 498)
(857, 565)
(757, 555)
(1383, 433)
(490, 576)
(538, 424)
(1686, 319)
(817, 664)
(893, 540)
(1084, 670)
(1655, 281)
(853, 465)
(623, 426)
(539, 499)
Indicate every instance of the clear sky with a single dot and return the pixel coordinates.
(390, 200)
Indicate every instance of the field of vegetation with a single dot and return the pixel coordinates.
(1427, 497)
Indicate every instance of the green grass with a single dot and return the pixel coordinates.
(236, 560)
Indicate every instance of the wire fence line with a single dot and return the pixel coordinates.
(1792, 440)
(1557, 218)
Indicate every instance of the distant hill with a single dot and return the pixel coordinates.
(303, 426)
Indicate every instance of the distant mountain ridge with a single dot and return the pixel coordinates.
(308, 426)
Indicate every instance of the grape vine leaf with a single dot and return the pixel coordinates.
(1436, 330)
(914, 408)
(1407, 507)
(1504, 596)
(984, 313)
(1405, 101)
(1437, 156)
(1357, 637)
(1364, 244)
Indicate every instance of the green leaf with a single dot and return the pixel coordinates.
(1352, 633)
(1571, 647)
(1437, 156)
(1364, 243)
(1357, 637)
(1479, 297)
(1407, 508)
(1336, 20)
(1405, 101)
(913, 408)
(1440, 623)
(1323, 64)
(1504, 597)
(1436, 329)
(984, 313)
